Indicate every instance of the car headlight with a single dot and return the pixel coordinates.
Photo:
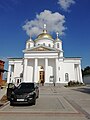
(32, 93)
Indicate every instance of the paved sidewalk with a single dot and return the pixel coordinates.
(78, 97)
(54, 103)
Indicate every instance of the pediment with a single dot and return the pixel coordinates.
(40, 49)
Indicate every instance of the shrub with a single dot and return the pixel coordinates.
(73, 83)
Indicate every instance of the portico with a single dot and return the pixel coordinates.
(39, 69)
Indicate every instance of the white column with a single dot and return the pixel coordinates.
(36, 70)
(8, 76)
(12, 77)
(56, 70)
(46, 70)
(77, 73)
(25, 71)
(12, 73)
(80, 74)
(75, 69)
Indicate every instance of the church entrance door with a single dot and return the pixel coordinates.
(41, 77)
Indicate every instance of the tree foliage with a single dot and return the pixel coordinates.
(86, 71)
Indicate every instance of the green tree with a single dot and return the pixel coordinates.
(86, 71)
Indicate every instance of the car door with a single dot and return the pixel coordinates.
(11, 87)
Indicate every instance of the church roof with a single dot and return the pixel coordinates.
(67, 58)
(14, 58)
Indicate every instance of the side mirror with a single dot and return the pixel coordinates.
(11, 86)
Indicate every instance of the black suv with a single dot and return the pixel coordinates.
(24, 93)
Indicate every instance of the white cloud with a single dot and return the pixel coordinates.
(54, 21)
(65, 4)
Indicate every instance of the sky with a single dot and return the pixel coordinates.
(20, 19)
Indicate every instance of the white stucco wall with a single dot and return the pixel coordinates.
(29, 44)
(51, 69)
(17, 66)
(60, 78)
(69, 68)
(60, 45)
(41, 54)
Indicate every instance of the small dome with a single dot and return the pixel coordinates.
(44, 35)
(57, 38)
(30, 40)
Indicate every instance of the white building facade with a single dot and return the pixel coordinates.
(44, 62)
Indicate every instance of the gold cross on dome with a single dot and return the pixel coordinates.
(44, 31)
(45, 26)
(57, 34)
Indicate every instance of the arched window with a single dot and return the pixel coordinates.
(57, 45)
(17, 81)
(66, 77)
(21, 75)
(28, 45)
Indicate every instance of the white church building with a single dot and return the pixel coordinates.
(44, 62)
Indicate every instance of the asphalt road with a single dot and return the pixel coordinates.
(54, 103)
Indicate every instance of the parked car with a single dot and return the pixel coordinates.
(24, 93)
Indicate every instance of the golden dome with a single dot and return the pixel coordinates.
(44, 35)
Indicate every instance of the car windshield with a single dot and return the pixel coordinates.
(26, 86)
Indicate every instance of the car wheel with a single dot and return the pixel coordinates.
(38, 96)
(34, 102)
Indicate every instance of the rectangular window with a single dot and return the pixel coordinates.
(66, 77)
(57, 45)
